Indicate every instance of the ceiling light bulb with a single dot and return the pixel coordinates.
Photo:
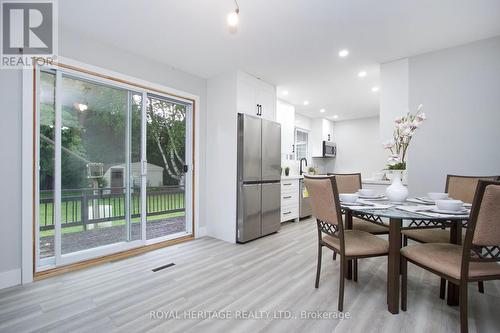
(322, 110)
(306, 102)
(233, 18)
(343, 53)
(362, 74)
(335, 116)
(285, 93)
(375, 89)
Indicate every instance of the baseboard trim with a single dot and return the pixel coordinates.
(10, 278)
(201, 232)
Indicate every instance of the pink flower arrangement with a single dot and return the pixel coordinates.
(404, 129)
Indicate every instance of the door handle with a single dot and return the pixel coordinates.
(258, 109)
(286, 213)
(287, 197)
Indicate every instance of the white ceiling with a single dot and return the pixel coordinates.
(291, 43)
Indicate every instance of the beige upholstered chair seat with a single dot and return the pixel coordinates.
(447, 259)
(362, 225)
(359, 243)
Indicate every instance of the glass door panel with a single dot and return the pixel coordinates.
(46, 162)
(166, 157)
(94, 125)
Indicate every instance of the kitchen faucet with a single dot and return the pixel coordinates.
(302, 159)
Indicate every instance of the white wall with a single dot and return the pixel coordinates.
(359, 147)
(393, 95)
(221, 144)
(83, 49)
(460, 91)
(459, 88)
(10, 169)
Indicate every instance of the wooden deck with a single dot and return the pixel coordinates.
(77, 241)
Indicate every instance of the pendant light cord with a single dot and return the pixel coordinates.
(237, 10)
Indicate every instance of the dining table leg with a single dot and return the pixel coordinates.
(455, 238)
(393, 269)
(348, 226)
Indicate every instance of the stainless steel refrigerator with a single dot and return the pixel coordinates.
(259, 176)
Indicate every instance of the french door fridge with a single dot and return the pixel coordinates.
(259, 174)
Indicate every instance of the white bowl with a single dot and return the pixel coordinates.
(366, 192)
(437, 196)
(348, 197)
(451, 205)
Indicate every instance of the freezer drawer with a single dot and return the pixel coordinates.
(271, 207)
(249, 212)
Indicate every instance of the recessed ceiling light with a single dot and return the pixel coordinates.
(343, 53)
(376, 88)
(322, 110)
(284, 92)
(362, 74)
(335, 116)
(306, 102)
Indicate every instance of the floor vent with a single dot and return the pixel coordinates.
(163, 267)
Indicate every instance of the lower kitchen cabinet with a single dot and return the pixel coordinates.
(289, 199)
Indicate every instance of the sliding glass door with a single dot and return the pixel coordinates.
(113, 168)
(166, 163)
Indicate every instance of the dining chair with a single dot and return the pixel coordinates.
(477, 260)
(351, 183)
(460, 188)
(349, 244)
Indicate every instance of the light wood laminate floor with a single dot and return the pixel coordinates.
(275, 273)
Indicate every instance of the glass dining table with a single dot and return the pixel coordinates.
(398, 220)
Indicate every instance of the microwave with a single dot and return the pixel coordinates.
(329, 149)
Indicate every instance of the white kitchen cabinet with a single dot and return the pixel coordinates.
(285, 115)
(255, 97)
(227, 95)
(289, 199)
(322, 130)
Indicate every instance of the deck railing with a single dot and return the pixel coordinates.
(81, 207)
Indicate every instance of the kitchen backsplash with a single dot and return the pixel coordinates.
(323, 165)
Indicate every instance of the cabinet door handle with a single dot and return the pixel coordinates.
(287, 184)
(293, 148)
(286, 213)
(287, 197)
(260, 109)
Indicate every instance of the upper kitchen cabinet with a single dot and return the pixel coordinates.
(255, 97)
(285, 115)
(322, 130)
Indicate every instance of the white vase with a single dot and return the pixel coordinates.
(396, 192)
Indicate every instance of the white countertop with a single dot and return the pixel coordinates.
(378, 182)
(291, 177)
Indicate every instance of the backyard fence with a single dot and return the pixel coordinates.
(81, 207)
